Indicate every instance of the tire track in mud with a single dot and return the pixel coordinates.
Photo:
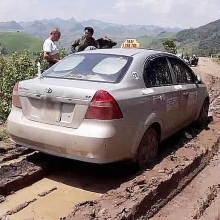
(198, 198)
(18, 175)
(9, 155)
(53, 176)
(205, 202)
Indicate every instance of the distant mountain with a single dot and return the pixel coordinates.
(10, 26)
(72, 29)
(155, 42)
(204, 39)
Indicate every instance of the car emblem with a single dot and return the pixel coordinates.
(49, 91)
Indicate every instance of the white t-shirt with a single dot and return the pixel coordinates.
(50, 47)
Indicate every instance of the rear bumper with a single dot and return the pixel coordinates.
(92, 141)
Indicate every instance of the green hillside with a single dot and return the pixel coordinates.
(155, 42)
(203, 40)
(19, 42)
(145, 41)
(165, 34)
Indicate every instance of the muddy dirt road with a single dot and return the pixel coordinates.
(201, 198)
(38, 186)
(44, 187)
(144, 196)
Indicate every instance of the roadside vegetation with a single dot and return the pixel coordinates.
(4, 135)
(13, 69)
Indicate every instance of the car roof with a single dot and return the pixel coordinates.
(123, 52)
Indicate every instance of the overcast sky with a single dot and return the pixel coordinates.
(180, 13)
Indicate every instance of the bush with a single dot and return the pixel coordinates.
(170, 46)
(14, 69)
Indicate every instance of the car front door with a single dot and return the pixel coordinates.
(157, 77)
(186, 86)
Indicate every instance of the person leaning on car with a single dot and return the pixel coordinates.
(51, 52)
(85, 41)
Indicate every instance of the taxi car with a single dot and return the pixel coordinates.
(107, 105)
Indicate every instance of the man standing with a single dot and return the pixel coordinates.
(51, 52)
(85, 41)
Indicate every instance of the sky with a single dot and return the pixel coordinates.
(172, 13)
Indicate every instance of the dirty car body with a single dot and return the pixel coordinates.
(95, 106)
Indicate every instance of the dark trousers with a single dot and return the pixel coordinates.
(49, 64)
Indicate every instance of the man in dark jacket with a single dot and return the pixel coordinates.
(85, 41)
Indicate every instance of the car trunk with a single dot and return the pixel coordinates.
(56, 101)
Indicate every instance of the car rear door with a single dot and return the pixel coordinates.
(186, 87)
(157, 77)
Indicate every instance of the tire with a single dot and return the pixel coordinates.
(203, 115)
(148, 149)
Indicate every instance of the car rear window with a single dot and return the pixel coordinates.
(91, 67)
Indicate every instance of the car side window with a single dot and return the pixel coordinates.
(182, 72)
(157, 73)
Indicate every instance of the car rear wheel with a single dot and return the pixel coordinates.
(203, 115)
(148, 149)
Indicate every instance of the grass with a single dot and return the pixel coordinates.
(4, 135)
(19, 42)
(164, 35)
(3, 132)
(145, 40)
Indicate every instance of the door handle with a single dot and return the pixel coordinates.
(158, 98)
(186, 93)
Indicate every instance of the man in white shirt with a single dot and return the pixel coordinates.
(51, 52)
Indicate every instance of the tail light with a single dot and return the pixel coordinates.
(103, 107)
(15, 97)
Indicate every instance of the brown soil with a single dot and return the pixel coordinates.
(148, 192)
(201, 198)
(20, 174)
(118, 191)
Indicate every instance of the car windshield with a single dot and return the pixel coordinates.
(91, 67)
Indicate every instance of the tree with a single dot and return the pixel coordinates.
(170, 46)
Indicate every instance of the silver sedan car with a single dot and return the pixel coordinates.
(107, 105)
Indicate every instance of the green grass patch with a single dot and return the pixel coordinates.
(19, 42)
(4, 135)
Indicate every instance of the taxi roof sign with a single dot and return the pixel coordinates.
(131, 43)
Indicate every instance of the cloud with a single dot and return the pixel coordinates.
(181, 13)
(16, 10)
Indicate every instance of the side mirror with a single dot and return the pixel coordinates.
(198, 79)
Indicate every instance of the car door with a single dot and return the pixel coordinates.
(186, 87)
(157, 77)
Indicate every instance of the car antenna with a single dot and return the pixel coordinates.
(39, 76)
